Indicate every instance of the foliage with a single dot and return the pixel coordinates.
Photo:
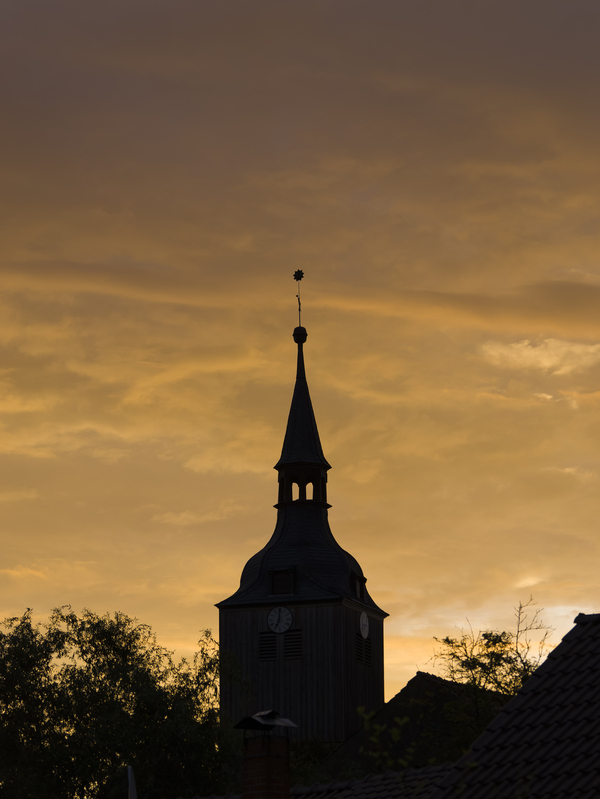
(496, 661)
(82, 697)
(306, 757)
(380, 748)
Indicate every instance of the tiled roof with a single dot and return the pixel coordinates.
(414, 783)
(545, 743)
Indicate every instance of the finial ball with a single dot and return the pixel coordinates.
(300, 335)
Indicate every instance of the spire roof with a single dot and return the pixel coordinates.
(302, 544)
(301, 443)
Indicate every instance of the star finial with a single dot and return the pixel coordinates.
(298, 275)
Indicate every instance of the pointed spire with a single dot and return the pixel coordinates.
(301, 444)
(302, 550)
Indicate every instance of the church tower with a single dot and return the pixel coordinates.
(302, 628)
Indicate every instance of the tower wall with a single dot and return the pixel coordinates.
(317, 673)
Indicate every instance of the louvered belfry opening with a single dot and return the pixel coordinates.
(292, 644)
(295, 626)
(363, 650)
(287, 646)
(267, 646)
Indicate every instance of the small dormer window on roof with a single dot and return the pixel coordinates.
(283, 581)
(357, 585)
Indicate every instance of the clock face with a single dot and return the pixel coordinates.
(364, 624)
(280, 619)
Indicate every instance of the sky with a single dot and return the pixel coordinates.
(434, 168)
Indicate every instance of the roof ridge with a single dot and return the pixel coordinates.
(587, 618)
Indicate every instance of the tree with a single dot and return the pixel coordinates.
(82, 697)
(489, 667)
(496, 661)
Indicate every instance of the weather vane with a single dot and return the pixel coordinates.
(298, 275)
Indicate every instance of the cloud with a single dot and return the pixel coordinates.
(25, 572)
(552, 355)
(235, 360)
(18, 496)
(584, 475)
(565, 307)
(167, 166)
(108, 454)
(182, 518)
(51, 570)
(188, 518)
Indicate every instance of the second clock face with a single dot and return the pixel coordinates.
(364, 624)
(280, 619)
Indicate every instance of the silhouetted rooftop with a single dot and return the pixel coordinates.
(545, 743)
(302, 538)
(413, 783)
(431, 721)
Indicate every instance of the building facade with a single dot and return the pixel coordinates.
(302, 631)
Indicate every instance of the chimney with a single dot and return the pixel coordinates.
(266, 773)
(266, 768)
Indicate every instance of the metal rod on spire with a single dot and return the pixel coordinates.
(298, 275)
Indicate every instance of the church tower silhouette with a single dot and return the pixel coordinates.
(302, 628)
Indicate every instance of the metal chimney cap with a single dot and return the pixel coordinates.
(265, 719)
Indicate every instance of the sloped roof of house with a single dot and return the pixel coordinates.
(429, 722)
(545, 743)
(413, 783)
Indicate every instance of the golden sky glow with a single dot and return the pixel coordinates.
(434, 169)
